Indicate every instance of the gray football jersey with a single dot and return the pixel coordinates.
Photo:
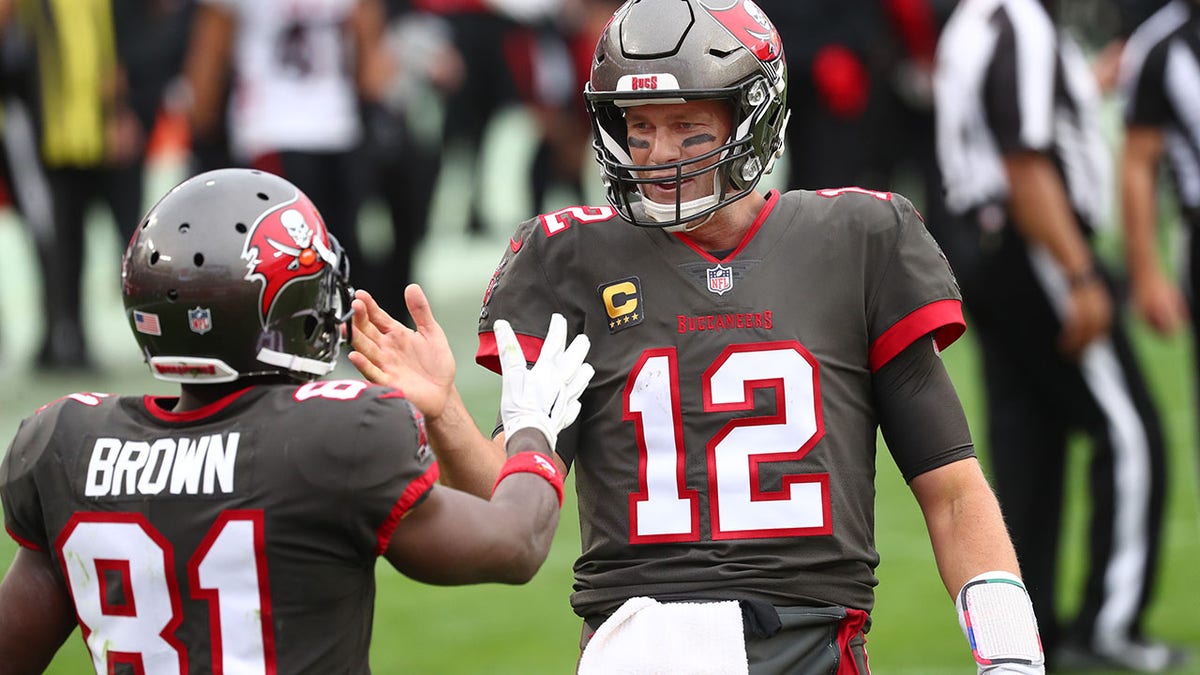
(241, 537)
(726, 445)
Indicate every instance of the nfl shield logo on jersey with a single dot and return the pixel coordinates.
(200, 320)
(720, 279)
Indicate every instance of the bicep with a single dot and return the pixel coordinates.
(36, 614)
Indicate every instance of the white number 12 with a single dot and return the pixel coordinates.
(664, 510)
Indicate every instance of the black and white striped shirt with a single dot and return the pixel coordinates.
(1160, 87)
(1007, 80)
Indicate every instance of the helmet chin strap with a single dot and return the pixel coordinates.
(661, 213)
(666, 212)
(294, 362)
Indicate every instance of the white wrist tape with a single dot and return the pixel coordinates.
(996, 615)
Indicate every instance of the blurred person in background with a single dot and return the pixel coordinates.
(829, 44)
(512, 56)
(286, 80)
(404, 142)
(25, 187)
(1028, 173)
(101, 66)
(1160, 89)
(861, 92)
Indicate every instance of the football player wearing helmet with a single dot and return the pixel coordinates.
(228, 528)
(748, 348)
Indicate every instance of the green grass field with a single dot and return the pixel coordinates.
(530, 630)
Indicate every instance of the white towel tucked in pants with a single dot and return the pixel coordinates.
(646, 637)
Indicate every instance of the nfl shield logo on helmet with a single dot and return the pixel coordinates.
(200, 320)
(720, 279)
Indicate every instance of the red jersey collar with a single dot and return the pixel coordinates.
(772, 198)
(156, 406)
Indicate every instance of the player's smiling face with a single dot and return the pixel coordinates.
(663, 134)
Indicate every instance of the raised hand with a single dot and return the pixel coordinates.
(545, 396)
(417, 361)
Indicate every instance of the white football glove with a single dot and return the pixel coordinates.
(546, 395)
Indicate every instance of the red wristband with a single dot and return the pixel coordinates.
(535, 463)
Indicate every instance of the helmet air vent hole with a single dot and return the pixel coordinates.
(263, 196)
(198, 259)
(154, 258)
(240, 227)
(184, 227)
(172, 295)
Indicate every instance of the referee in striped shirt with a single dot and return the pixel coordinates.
(1160, 88)
(1027, 171)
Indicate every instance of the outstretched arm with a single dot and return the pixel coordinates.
(419, 363)
(36, 615)
(454, 538)
(457, 538)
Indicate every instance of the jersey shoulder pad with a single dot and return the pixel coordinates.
(860, 208)
(87, 398)
(70, 416)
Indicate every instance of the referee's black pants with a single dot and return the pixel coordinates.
(1036, 398)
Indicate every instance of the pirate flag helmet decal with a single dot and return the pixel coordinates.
(234, 274)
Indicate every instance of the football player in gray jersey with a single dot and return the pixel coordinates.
(748, 347)
(229, 528)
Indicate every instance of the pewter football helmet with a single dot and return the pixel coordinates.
(234, 274)
(671, 51)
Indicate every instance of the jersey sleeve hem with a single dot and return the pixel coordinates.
(949, 456)
(488, 354)
(25, 543)
(411, 494)
(943, 318)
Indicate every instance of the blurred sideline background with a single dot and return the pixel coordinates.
(531, 630)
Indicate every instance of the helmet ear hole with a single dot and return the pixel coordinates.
(240, 227)
(172, 295)
(198, 259)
